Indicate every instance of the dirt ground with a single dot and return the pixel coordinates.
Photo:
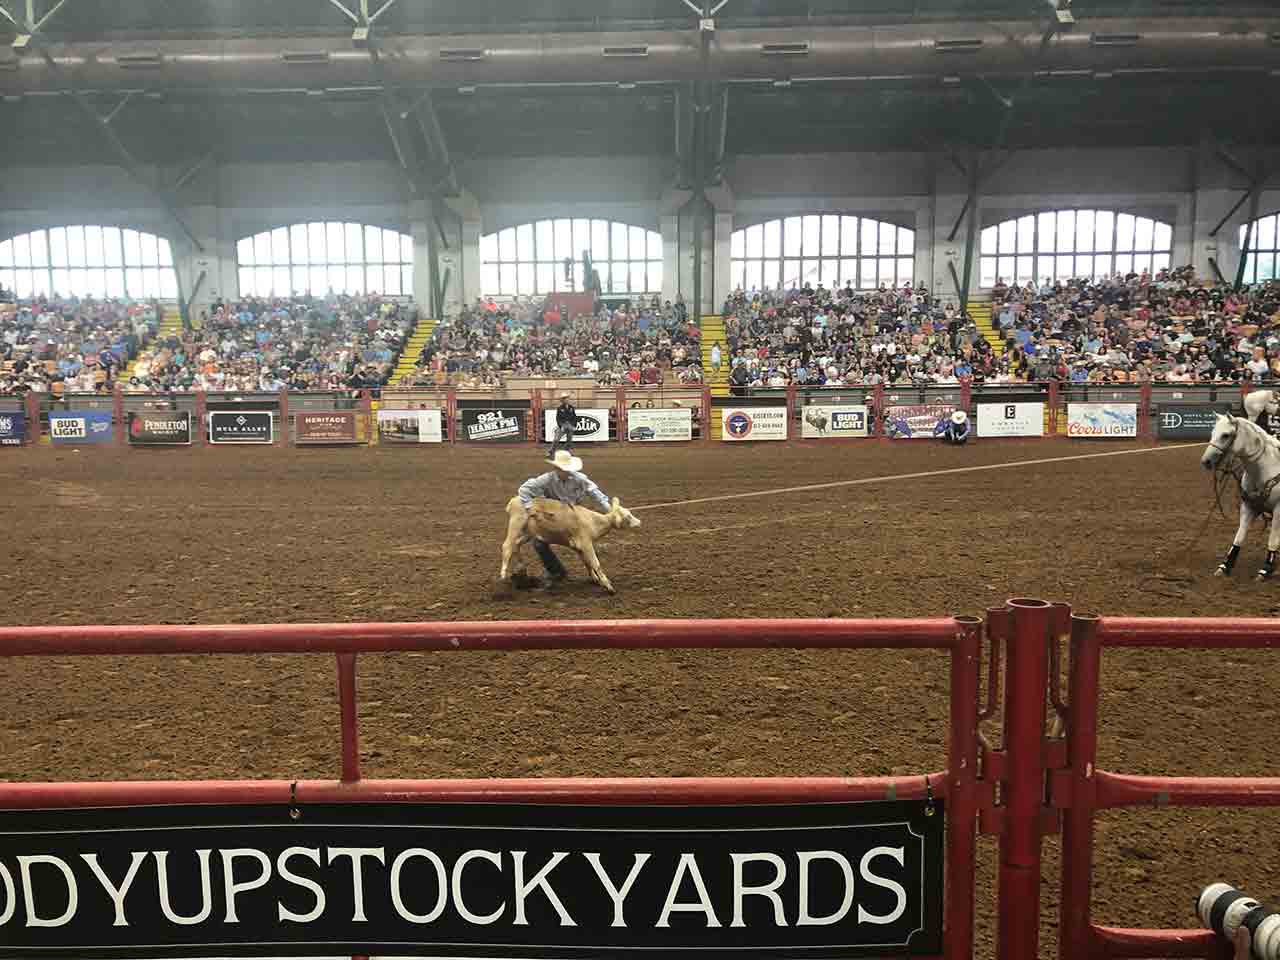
(245, 535)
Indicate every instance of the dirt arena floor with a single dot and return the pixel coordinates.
(248, 535)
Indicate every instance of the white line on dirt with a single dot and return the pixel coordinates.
(907, 476)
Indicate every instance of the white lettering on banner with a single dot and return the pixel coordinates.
(357, 854)
(523, 889)
(288, 876)
(442, 885)
(753, 423)
(864, 868)
(231, 888)
(688, 864)
(117, 894)
(768, 890)
(618, 896)
(807, 857)
(1105, 420)
(656, 425)
(206, 886)
(455, 886)
(11, 895)
(821, 421)
(69, 428)
(1011, 419)
(25, 864)
(592, 425)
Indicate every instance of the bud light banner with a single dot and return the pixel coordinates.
(826, 421)
(753, 423)
(1187, 421)
(248, 426)
(464, 880)
(13, 428)
(75, 427)
(164, 428)
(592, 425)
(1104, 421)
(922, 421)
(501, 426)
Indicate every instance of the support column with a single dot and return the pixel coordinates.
(469, 282)
(720, 261)
(668, 226)
(1224, 247)
(191, 264)
(923, 271)
(948, 250)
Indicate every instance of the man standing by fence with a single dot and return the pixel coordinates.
(566, 421)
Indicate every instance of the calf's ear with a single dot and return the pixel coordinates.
(615, 503)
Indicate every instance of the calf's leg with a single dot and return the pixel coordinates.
(593, 564)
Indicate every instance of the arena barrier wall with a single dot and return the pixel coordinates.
(1032, 785)
(1159, 411)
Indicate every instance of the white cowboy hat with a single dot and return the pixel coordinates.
(564, 460)
(959, 417)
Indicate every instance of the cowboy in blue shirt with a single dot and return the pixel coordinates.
(567, 484)
(957, 429)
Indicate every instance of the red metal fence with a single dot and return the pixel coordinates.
(1019, 792)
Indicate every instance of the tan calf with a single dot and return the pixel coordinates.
(559, 523)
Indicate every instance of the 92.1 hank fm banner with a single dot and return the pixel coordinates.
(817, 880)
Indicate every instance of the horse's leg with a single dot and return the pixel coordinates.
(1246, 518)
(593, 564)
(1273, 545)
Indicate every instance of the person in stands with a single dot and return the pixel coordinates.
(566, 421)
(956, 432)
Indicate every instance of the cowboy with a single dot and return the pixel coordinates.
(566, 421)
(957, 429)
(568, 484)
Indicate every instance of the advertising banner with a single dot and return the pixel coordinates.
(920, 421)
(1187, 421)
(495, 426)
(1011, 419)
(593, 425)
(1107, 421)
(826, 421)
(411, 426)
(652, 425)
(331, 426)
(753, 423)
(13, 428)
(831, 880)
(163, 428)
(80, 426)
(249, 426)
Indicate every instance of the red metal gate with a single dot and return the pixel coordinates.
(1031, 785)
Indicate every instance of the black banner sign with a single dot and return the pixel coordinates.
(1187, 421)
(162, 427)
(503, 426)
(821, 880)
(230, 426)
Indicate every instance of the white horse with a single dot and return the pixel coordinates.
(1258, 402)
(1259, 454)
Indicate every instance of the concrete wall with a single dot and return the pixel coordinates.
(1191, 188)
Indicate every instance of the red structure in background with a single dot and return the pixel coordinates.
(1018, 792)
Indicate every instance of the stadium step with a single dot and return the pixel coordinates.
(170, 326)
(982, 314)
(408, 361)
(712, 332)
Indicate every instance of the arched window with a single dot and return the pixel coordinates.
(1072, 244)
(88, 261)
(317, 258)
(827, 249)
(530, 258)
(1263, 261)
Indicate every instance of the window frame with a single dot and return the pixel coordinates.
(785, 248)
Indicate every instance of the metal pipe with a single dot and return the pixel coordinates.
(1018, 934)
(602, 790)
(1115, 943)
(1202, 632)
(1130, 790)
(350, 718)
(962, 787)
(989, 48)
(1074, 934)
(490, 635)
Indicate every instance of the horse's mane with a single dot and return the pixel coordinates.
(1268, 441)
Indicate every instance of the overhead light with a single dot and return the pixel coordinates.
(467, 89)
(626, 85)
(950, 80)
(360, 37)
(782, 83)
(21, 41)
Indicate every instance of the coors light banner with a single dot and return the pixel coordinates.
(162, 428)
(824, 880)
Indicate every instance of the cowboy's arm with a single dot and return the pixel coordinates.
(594, 492)
(534, 487)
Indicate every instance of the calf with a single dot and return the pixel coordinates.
(559, 523)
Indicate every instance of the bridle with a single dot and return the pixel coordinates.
(1234, 433)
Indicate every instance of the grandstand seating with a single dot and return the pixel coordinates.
(408, 361)
(980, 311)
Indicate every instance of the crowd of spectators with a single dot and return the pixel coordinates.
(1170, 327)
(298, 343)
(630, 342)
(53, 345)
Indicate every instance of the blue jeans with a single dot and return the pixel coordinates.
(562, 433)
(549, 559)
